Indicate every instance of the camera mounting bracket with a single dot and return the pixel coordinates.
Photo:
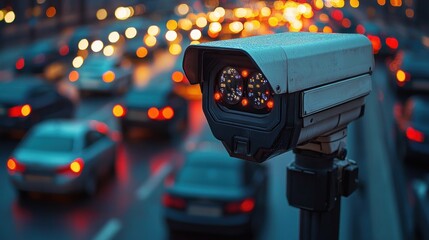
(316, 181)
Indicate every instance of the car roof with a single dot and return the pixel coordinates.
(154, 93)
(62, 128)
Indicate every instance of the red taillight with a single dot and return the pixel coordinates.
(20, 63)
(64, 50)
(414, 135)
(165, 113)
(14, 166)
(392, 43)
(19, 111)
(360, 29)
(173, 202)
(74, 168)
(245, 206)
(119, 111)
(337, 15)
(99, 127)
(376, 43)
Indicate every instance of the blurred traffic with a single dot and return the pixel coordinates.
(93, 92)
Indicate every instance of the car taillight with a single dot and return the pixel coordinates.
(414, 135)
(20, 63)
(19, 111)
(245, 206)
(100, 127)
(402, 77)
(14, 166)
(74, 168)
(165, 113)
(64, 50)
(376, 43)
(392, 43)
(73, 76)
(119, 111)
(173, 202)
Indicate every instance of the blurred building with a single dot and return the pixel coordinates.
(25, 20)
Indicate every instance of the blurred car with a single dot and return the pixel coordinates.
(383, 40)
(102, 74)
(411, 128)
(155, 107)
(214, 193)
(135, 49)
(63, 156)
(38, 57)
(69, 40)
(27, 100)
(409, 70)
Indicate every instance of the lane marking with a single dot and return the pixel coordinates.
(110, 229)
(146, 189)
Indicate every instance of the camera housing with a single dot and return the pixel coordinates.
(265, 95)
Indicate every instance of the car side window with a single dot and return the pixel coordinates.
(92, 137)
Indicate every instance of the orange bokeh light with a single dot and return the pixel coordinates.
(73, 76)
(177, 76)
(108, 76)
(153, 113)
(168, 113)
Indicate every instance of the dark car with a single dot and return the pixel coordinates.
(412, 128)
(38, 57)
(409, 70)
(214, 193)
(27, 100)
(384, 41)
(136, 49)
(63, 156)
(154, 107)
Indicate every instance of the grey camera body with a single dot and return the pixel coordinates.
(319, 83)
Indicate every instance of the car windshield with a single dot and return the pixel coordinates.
(210, 176)
(49, 143)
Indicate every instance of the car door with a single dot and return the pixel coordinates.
(98, 151)
(44, 101)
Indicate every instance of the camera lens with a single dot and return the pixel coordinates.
(259, 91)
(230, 85)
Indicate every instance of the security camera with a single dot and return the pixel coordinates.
(265, 95)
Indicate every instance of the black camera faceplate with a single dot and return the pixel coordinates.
(250, 136)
